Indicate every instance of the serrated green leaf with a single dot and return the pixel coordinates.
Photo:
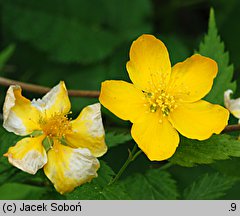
(154, 184)
(218, 147)
(209, 186)
(99, 188)
(212, 47)
(115, 138)
(6, 54)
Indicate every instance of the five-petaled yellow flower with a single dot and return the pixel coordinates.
(66, 149)
(163, 100)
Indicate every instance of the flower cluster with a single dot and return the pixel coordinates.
(161, 101)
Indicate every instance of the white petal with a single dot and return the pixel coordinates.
(82, 165)
(92, 116)
(19, 116)
(55, 101)
(233, 105)
(88, 131)
(28, 154)
(68, 168)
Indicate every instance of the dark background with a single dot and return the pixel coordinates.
(85, 42)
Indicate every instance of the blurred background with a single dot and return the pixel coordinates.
(86, 42)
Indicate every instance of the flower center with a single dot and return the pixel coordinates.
(160, 100)
(56, 126)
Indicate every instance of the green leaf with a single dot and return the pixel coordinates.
(76, 31)
(16, 191)
(47, 31)
(212, 47)
(99, 188)
(178, 51)
(120, 22)
(7, 140)
(154, 184)
(218, 147)
(209, 186)
(228, 167)
(6, 54)
(114, 138)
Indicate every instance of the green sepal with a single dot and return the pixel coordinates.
(47, 143)
(36, 133)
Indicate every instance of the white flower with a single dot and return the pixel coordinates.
(233, 105)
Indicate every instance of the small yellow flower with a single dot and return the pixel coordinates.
(233, 105)
(163, 100)
(66, 149)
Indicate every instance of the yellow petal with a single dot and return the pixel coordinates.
(233, 105)
(149, 64)
(19, 115)
(192, 79)
(55, 101)
(88, 131)
(122, 99)
(28, 154)
(158, 140)
(199, 120)
(68, 168)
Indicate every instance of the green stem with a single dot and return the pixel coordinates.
(166, 166)
(137, 153)
(131, 157)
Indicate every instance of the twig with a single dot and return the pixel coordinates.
(231, 128)
(78, 93)
(166, 166)
(43, 89)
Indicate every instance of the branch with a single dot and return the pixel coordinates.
(78, 93)
(231, 128)
(43, 89)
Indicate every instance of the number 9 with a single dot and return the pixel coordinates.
(233, 206)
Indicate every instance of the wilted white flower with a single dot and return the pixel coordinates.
(233, 105)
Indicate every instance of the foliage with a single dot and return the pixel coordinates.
(6, 54)
(212, 47)
(99, 188)
(154, 184)
(228, 167)
(113, 138)
(88, 40)
(218, 147)
(20, 191)
(212, 186)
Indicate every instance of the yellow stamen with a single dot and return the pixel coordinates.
(56, 126)
(160, 100)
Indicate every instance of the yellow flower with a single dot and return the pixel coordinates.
(163, 100)
(66, 149)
